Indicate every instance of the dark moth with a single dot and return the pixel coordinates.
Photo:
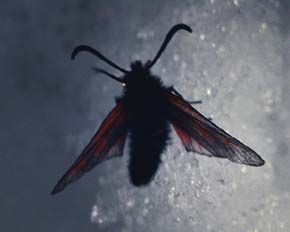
(145, 112)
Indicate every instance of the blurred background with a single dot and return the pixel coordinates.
(236, 61)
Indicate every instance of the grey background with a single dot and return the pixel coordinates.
(236, 61)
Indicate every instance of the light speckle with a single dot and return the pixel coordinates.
(236, 2)
(144, 34)
(146, 200)
(130, 204)
(244, 169)
(208, 91)
(244, 127)
(234, 185)
(264, 25)
(94, 212)
(176, 57)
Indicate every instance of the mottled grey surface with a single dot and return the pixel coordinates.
(236, 61)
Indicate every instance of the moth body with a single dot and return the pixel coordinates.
(146, 105)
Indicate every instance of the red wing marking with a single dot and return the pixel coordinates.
(200, 135)
(189, 143)
(108, 142)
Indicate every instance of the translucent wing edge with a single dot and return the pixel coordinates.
(202, 136)
(108, 142)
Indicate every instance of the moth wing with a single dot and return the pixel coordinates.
(202, 136)
(108, 142)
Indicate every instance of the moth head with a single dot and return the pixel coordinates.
(137, 66)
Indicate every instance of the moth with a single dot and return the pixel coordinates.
(144, 113)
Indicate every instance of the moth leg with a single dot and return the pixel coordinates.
(195, 102)
(98, 70)
(173, 90)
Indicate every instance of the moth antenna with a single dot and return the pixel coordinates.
(98, 70)
(85, 48)
(167, 39)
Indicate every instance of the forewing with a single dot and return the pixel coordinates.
(108, 142)
(200, 135)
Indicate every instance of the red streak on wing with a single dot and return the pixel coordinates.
(190, 143)
(108, 142)
(79, 166)
(118, 147)
(200, 135)
(186, 107)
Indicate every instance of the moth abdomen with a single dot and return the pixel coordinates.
(146, 147)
